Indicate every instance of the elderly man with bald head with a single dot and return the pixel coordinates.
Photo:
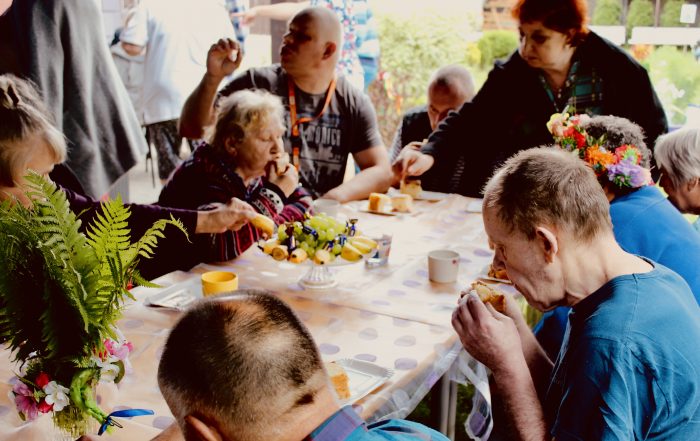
(327, 118)
(449, 87)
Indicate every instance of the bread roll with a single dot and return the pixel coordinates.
(379, 202)
(490, 295)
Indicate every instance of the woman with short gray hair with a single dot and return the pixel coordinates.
(677, 155)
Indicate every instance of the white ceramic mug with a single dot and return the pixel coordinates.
(328, 206)
(443, 266)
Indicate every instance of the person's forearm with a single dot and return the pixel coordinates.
(538, 363)
(198, 111)
(522, 406)
(372, 179)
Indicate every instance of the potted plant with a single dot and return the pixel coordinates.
(61, 294)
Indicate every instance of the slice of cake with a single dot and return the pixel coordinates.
(498, 273)
(339, 379)
(412, 187)
(379, 202)
(490, 295)
(403, 203)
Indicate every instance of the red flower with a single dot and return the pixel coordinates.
(580, 139)
(45, 407)
(42, 379)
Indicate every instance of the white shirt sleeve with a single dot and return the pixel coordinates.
(136, 26)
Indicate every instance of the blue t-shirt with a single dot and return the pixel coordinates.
(644, 223)
(346, 425)
(630, 368)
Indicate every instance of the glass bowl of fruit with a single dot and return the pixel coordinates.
(322, 242)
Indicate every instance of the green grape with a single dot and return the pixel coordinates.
(310, 240)
(331, 233)
(321, 235)
(281, 234)
(337, 249)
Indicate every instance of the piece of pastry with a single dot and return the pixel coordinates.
(379, 202)
(403, 203)
(490, 295)
(281, 164)
(412, 187)
(339, 379)
(498, 273)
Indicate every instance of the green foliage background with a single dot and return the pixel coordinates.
(676, 78)
(496, 45)
(671, 13)
(641, 13)
(607, 13)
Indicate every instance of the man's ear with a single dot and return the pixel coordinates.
(329, 50)
(548, 243)
(693, 184)
(197, 429)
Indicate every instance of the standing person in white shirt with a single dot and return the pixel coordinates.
(176, 36)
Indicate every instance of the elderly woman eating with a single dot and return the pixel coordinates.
(243, 161)
(644, 222)
(677, 155)
(30, 141)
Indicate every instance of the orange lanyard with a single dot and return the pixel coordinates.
(296, 122)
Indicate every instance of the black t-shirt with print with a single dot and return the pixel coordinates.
(349, 125)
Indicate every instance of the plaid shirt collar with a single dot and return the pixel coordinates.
(338, 427)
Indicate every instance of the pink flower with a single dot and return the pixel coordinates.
(25, 402)
(42, 379)
(119, 350)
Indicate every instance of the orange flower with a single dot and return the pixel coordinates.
(599, 158)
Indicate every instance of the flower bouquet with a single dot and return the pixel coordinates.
(620, 165)
(61, 293)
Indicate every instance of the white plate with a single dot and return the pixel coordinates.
(178, 296)
(383, 213)
(431, 196)
(363, 377)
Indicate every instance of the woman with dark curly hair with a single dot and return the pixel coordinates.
(644, 221)
(559, 64)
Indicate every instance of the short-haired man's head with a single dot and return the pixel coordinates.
(456, 80)
(244, 363)
(678, 155)
(565, 16)
(449, 88)
(321, 24)
(548, 186)
(245, 112)
(24, 117)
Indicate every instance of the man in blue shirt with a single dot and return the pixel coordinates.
(629, 368)
(243, 367)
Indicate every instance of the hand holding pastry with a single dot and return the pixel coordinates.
(283, 175)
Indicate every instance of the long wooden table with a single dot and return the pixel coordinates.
(392, 316)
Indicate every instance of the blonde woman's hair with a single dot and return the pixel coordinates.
(23, 115)
(244, 112)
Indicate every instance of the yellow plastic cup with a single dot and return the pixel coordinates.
(214, 282)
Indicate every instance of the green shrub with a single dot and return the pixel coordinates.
(496, 45)
(607, 13)
(671, 14)
(641, 13)
(412, 49)
(676, 78)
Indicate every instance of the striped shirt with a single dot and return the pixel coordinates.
(208, 177)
